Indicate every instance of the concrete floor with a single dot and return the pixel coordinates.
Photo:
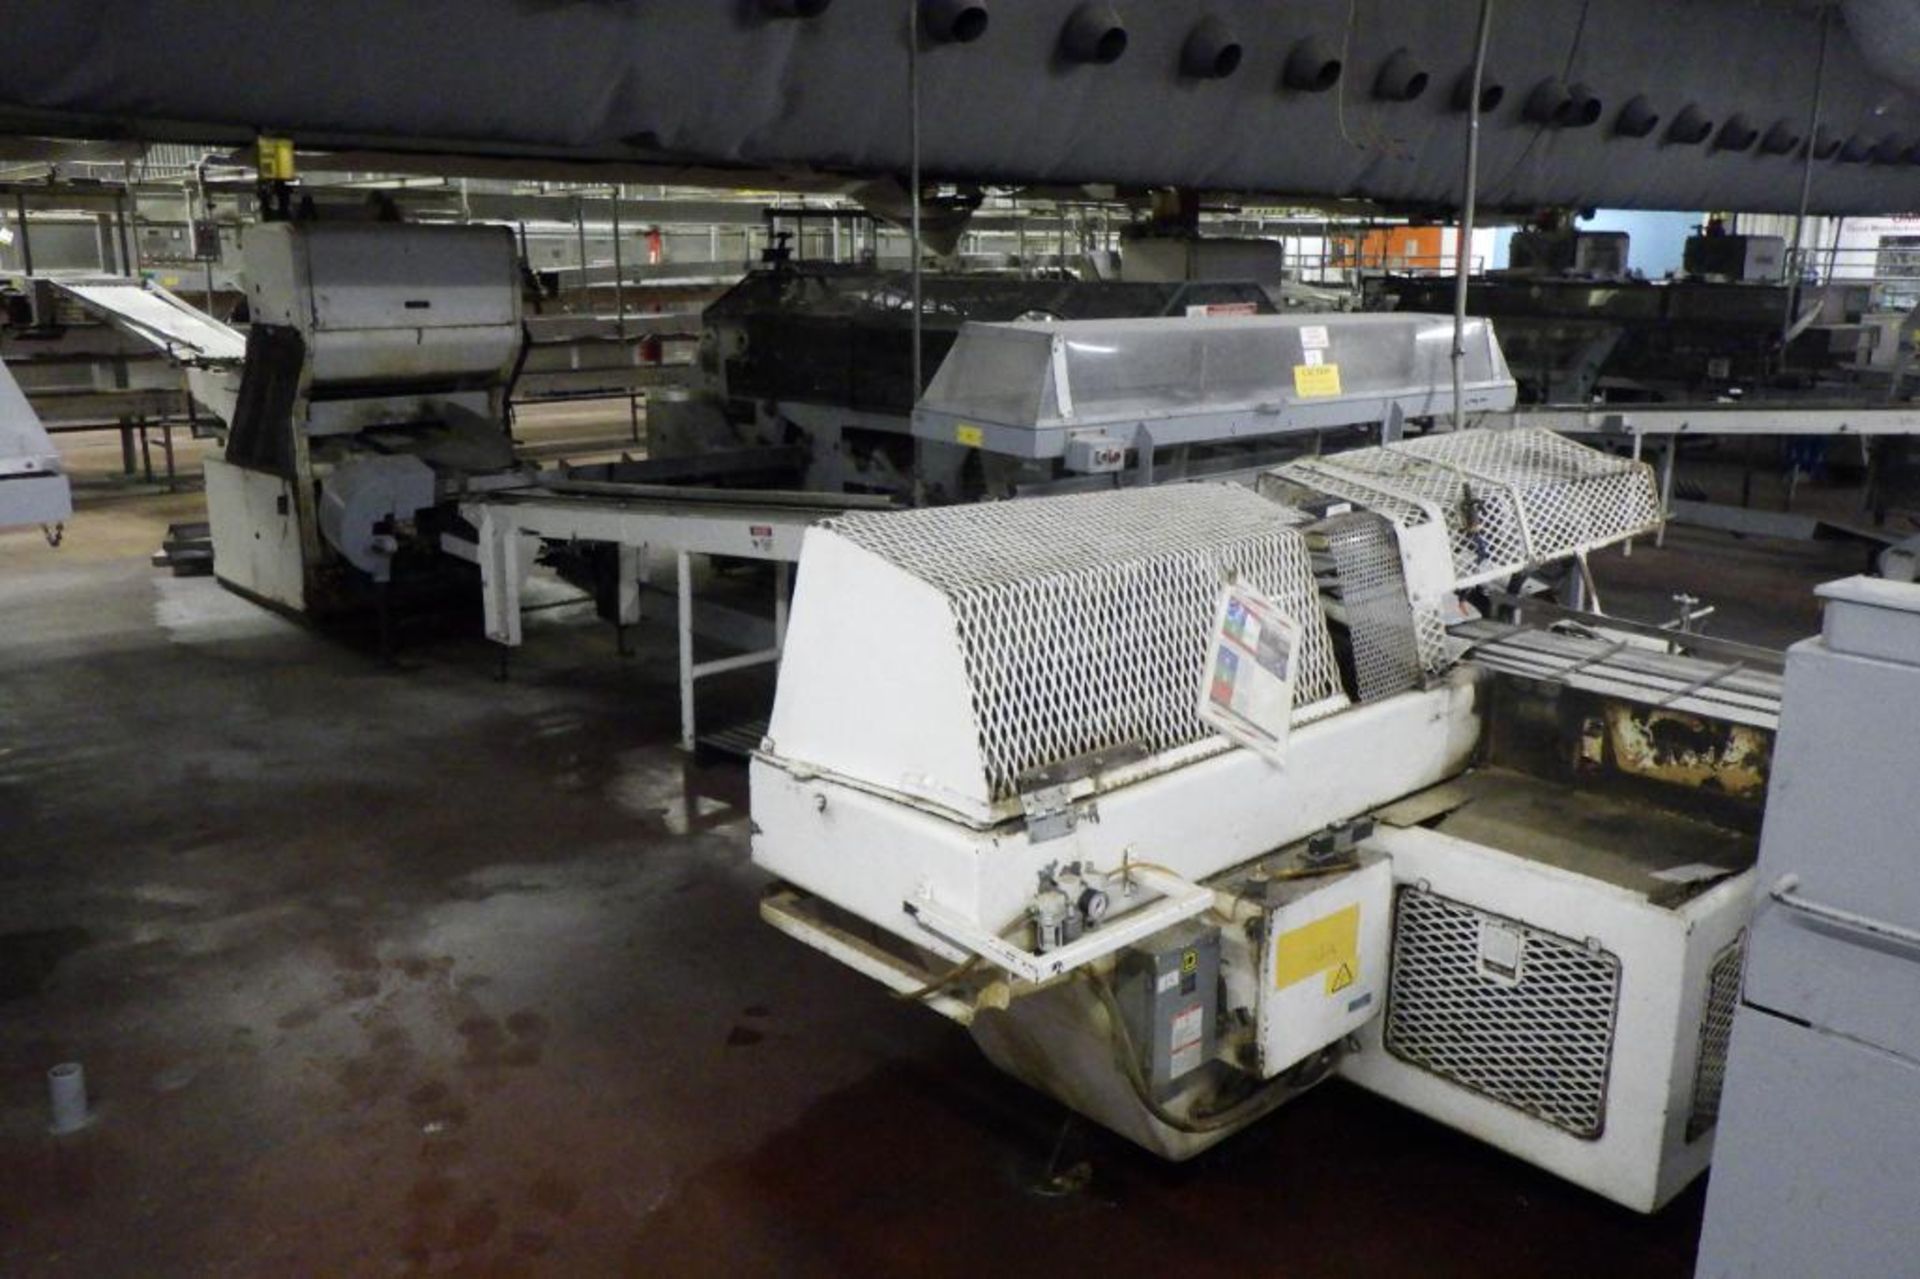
(406, 971)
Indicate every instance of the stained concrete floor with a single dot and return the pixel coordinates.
(400, 971)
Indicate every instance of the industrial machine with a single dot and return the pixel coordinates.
(1037, 399)
(32, 488)
(1818, 1125)
(1496, 872)
(374, 395)
(1579, 328)
(819, 360)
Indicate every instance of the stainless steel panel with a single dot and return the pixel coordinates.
(1817, 1162)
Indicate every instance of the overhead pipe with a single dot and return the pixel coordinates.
(1211, 52)
(1890, 149)
(1780, 139)
(1492, 93)
(795, 8)
(1549, 103)
(1401, 78)
(1737, 134)
(1463, 254)
(953, 21)
(1690, 127)
(1637, 119)
(1312, 66)
(1583, 106)
(1794, 271)
(1094, 34)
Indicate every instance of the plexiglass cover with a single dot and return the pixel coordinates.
(1076, 373)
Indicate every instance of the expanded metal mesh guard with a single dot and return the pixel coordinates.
(1539, 1039)
(1716, 1034)
(1372, 589)
(1509, 499)
(1083, 620)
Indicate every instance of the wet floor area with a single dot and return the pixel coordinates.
(402, 970)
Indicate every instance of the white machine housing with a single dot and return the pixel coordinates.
(33, 490)
(377, 370)
(979, 705)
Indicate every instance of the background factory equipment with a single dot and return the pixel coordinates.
(882, 637)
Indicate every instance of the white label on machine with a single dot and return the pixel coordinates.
(1313, 357)
(1189, 1028)
(1501, 951)
(1247, 690)
(1313, 337)
(1167, 982)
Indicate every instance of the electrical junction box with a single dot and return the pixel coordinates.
(1736, 257)
(1168, 987)
(1321, 972)
(1095, 454)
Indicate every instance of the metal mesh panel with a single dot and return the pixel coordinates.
(1510, 499)
(1083, 620)
(1716, 1032)
(1536, 1034)
(1367, 577)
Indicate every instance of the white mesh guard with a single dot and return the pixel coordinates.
(1510, 499)
(1081, 622)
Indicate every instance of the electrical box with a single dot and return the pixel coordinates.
(1316, 963)
(1095, 454)
(1600, 254)
(1169, 991)
(1737, 257)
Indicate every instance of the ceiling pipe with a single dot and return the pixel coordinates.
(1737, 134)
(1690, 127)
(1094, 34)
(1312, 66)
(1401, 79)
(1211, 52)
(1583, 106)
(1549, 103)
(1780, 139)
(1492, 93)
(1637, 119)
(953, 21)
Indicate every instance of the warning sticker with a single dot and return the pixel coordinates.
(1330, 945)
(1313, 337)
(1316, 379)
(1185, 1039)
(971, 436)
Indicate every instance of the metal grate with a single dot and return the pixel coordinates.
(1372, 590)
(1522, 1016)
(1083, 620)
(1716, 1032)
(1509, 499)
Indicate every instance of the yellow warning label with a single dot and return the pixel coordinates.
(1330, 945)
(1190, 962)
(1316, 379)
(971, 436)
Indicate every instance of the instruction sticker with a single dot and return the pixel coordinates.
(971, 436)
(1246, 691)
(1316, 379)
(1313, 337)
(1329, 945)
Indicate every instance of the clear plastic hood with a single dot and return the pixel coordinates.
(1047, 374)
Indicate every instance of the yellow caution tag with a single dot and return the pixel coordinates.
(1330, 945)
(276, 159)
(1190, 961)
(1316, 379)
(971, 436)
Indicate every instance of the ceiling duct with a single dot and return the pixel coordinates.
(1887, 33)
